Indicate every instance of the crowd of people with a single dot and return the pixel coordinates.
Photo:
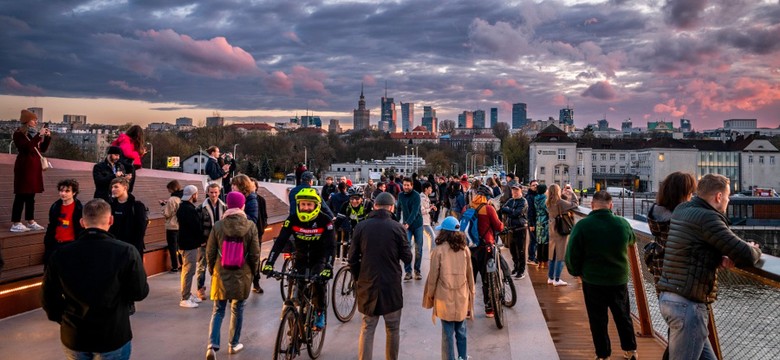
(379, 229)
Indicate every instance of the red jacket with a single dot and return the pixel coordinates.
(128, 149)
(28, 174)
(488, 223)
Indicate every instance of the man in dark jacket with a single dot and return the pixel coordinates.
(378, 245)
(699, 242)
(130, 215)
(94, 315)
(190, 240)
(516, 213)
(306, 180)
(328, 189)
(409, 202)
(598, 252)
(64, 219)
(530, 196)
(211, 211)
(107, 170)
(215, 172)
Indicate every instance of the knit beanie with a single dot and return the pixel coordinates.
(235, 200)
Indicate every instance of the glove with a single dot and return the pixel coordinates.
(267, 269)
(326, 273)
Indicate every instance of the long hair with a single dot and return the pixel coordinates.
(244, 184)
(553, 195)
(676, 189)
(136, 134)
(456, 239)
(491, 182)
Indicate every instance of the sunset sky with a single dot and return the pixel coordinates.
(120, 61)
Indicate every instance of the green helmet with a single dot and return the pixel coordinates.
(308, 194)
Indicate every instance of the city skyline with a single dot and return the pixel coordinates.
(153, 62)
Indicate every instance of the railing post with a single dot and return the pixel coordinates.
(645, 325)
(714, 334)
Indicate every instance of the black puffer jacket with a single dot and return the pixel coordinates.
(698, 237)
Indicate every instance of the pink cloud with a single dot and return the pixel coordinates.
(307, 79)
(671, 108)
(486, 92)
(293, 36)
(153, 49)
(279, 82)
(559, 100)
(601, 90)
(124, 86)
(508, 83)
(16, 88)
(369, 80)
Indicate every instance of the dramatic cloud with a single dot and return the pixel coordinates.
(601, 90)
(11, 86)
(684, 14)
(123, 85)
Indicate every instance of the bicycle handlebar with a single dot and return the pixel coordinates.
(278, 275)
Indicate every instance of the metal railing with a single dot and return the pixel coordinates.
(744, 319)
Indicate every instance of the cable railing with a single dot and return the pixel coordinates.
(743, 320)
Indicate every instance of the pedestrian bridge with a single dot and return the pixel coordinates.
(547, 322)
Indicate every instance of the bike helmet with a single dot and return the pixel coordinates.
(485, 191)
(355, 191)
(308, 194)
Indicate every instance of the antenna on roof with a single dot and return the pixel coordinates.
(385, 88)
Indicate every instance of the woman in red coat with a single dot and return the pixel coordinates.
(28, 173)
(133, 149)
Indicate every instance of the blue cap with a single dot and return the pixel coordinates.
(450, 224)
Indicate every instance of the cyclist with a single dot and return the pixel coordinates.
(312, 232)
(356, 209)
(487, 224)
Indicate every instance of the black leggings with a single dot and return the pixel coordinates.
(26, 201)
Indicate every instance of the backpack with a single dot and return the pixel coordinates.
(468, 225)
(232, 252)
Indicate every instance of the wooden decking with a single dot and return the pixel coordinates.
(564, 310)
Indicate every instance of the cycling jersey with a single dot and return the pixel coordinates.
(313, 240)
(358, 214)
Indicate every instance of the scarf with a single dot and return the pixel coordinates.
(233, 211)
(32, 131)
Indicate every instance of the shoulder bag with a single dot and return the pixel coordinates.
(564, 222)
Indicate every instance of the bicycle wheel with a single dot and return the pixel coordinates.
(343, 295)
(495, 297)
(286, 338)
(314, 339)
(284, 282)
(509, 291)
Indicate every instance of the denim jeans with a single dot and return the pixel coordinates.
(428, 229)
(236, 318)
(392, 331)
(417, 244)
(453, 332)
(200, 273)
(555, 269)
(188, 260)
(123, 353)
(688, 332)
(532, 245)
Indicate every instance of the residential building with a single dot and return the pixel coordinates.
(259, 127)
(407, 116)
(493, 117)
(74, 119)
(418, 135)
(160, 126)
(361, 117)
(195, 163)
(429, 119)
(519, 115)
(214, 121)
(479, 119)
(183, 121)
(93, 144)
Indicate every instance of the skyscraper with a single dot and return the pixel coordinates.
(493, 117)
(407, 116)
(685, 125)
(429, 119)
(519, 115)
(466, 120)
(566, 116)
(479, 119)
(361, 117)
(388, 112)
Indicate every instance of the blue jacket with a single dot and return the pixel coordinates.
(409, 203)
(213, 170)
(252, 208)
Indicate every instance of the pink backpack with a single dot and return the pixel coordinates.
(232, 252)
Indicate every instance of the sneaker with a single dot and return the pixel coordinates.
(211, 354)
(188, 303)
(560, 283)
(32, 225)
(417, 276)
(235, 349)
(630, 355)
(514, 271)
(174, 270)
(550, 281)
(256, 287)
(202, 294)
(319, 322)
(489, 313)
(520, 276)
(531, 262)
(195, 299)
(408, 277)
(18, 227)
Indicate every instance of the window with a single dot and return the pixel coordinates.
(612, 169)
(750, 159)
(633, 157)
(604, 157)
(612, 157)
(622, 170)
(603, 169)
(593, 169)
(195, 159)
(579, 156)
(541, 170)
(565, 170)
(622, 157)
(557, 171)
(771, 160)
(593, 157)
(195, 171)
(561, 154)
(761, 159)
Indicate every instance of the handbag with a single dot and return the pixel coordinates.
(45, 164)
(564, 222)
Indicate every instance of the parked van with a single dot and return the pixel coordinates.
(618, 191)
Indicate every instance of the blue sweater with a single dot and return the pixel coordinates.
(410, 208)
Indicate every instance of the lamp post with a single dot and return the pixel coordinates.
(151, 157)
(406, 158)
(200, 160)
(752, 173)
(235, 157)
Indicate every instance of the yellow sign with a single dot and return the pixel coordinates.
(173, 162)
(598, 187)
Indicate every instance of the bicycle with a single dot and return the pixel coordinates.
(287, 266)
(298, 319)
(501, 288)
(344, 295)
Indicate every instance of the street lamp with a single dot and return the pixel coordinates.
(151, 158)
(406, 158)
(200, 160)
(235, 157)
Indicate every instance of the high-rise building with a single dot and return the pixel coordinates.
(361, 117)
(388, 112)
(627, 125)
(184, 121)
(334, 126)
(429, 119)
(685, 125)
(383, 126)
(311, 121)
(74, 119)
(479, 119)
(566, 116)
(407, 116)
(603, 125)
(519, 115)
(214, 121)
(493, 117)
(466, 120)
(38, 112)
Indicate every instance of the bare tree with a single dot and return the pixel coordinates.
(446, 126)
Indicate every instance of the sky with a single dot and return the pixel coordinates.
(143, 61)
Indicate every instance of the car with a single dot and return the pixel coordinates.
(619, 191)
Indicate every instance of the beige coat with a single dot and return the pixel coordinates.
(558, 241)
(449, 289)
(169, 213)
